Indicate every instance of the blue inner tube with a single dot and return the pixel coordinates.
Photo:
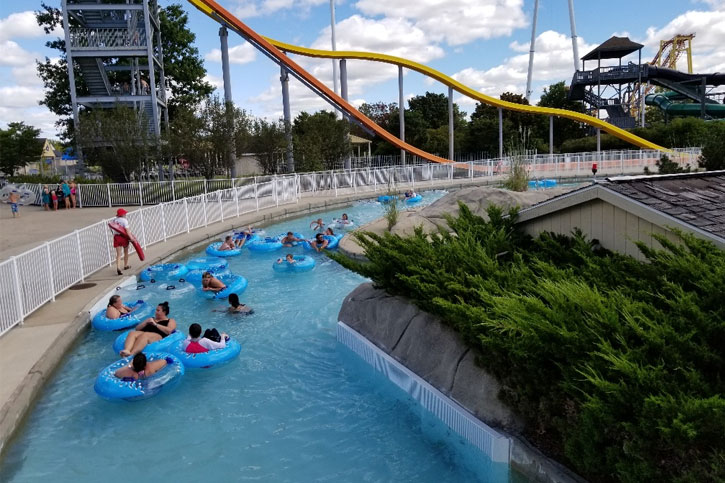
(332, 242)
(216, 357)
(266, 244)
(207, 263)
(214, 251)
(235, 284)
(256, 235)
(142, 312)
(296, 235)
(414, 199)
(194, 276)
(303, 263)
(108, 386)
(164, 271)
(177, 289)
(385, 199)
(162, 345)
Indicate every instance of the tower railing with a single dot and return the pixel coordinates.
(107, 38)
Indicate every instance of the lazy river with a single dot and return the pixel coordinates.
(294, 406)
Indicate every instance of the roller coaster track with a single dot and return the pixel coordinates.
(275, 50)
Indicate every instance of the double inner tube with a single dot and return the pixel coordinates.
(214, 251)
(203, 360)
(142, 311)
(110, 387)
(164, 271)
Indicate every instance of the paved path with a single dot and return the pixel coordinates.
(35, 226)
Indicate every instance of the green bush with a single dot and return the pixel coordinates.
(615, 364)
(713, 150)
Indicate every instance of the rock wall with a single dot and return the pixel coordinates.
(436, 353)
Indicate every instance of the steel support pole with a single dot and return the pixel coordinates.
(450, 123)
(334, 45)
(532, 48)
(599, 140)
(72, 81)
(401, 111)
(284, 78)
(574, 45)
(551, 136)
(343, 93)
(224, 41)
(500, 132)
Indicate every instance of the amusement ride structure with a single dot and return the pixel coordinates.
(122, 41)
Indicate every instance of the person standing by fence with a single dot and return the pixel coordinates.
(120, 242)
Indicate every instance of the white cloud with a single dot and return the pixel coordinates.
(38, 117)
(250, 8)
(27, 75)
(20, 25)
(14, 55)
(238, 54)
(454, 21)
(217, 82)
(20, 96)
(553, 62)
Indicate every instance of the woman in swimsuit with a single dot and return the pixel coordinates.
(149, 331)
(319, 243)
(115, 308)
(140, 368)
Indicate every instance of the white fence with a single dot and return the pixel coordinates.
(576, 165)
(38, 275)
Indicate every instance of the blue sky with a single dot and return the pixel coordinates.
(483, 43)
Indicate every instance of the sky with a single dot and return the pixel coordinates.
(482, 43)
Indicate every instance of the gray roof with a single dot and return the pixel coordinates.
(613, 48)
(697, 199)
(694, 202)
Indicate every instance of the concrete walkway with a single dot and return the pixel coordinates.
(30, 352)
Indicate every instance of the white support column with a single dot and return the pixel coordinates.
(532, 48)
(256, 193)
(500, 133)
(401, 112)
(18, 290)
(186, 212)
(450, 123)
(163, 220)
(221, 205)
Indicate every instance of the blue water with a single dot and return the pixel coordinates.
(295, 406)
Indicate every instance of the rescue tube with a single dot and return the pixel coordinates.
(164, 271)
(266, 244)
(110, 387)
(234, 284)
(303, 263)
(162, 345)
(142, 311)
(208, 359)
(414, 199)
(332, 242)
(214, 251)
(120, 230)
(25, 195)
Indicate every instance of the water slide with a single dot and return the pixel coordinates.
(274, 50)
(664, 102)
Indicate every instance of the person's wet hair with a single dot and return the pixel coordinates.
(139, 362)
(195, 330)
(233, 301)
(113, 299)
(165, 307)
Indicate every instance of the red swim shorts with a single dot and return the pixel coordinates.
(120, 241)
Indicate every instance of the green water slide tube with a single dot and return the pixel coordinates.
(664, 102)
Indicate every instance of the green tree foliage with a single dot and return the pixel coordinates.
(666, 166)
(19, 145)
(183, 67)
(118, 140)
(713, 149)
(557, 96)
(615, 364)
(320, 141)
(269, 143)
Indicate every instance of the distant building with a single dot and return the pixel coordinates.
(51, 161)
(621, 211)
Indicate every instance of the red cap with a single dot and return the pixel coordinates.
(121, 212)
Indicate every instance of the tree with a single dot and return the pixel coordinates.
(19, 145)
(713, 152)
(268, 142)
(118, 140)
(557, 96)
(183, 67)
(320, 141)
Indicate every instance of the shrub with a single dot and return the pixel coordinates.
(666, 166)
(615, 364)
(713, 151)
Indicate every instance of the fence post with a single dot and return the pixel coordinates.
(80, 256)
(236, 197)
(375, 183)
(274, 191)
(298, 188)
(163, 219)
(143, 228)
(140, 193)
(18, 291)
(256, 192)
(221, 205)
(186, 212)
(173, 191)
(50, 270)
(470, 169)
(78, 189)
(204, 185)
(203, 204)
(108, 188)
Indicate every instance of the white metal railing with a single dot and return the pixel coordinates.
(107, 38)
(35, 277)
(372, 178)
